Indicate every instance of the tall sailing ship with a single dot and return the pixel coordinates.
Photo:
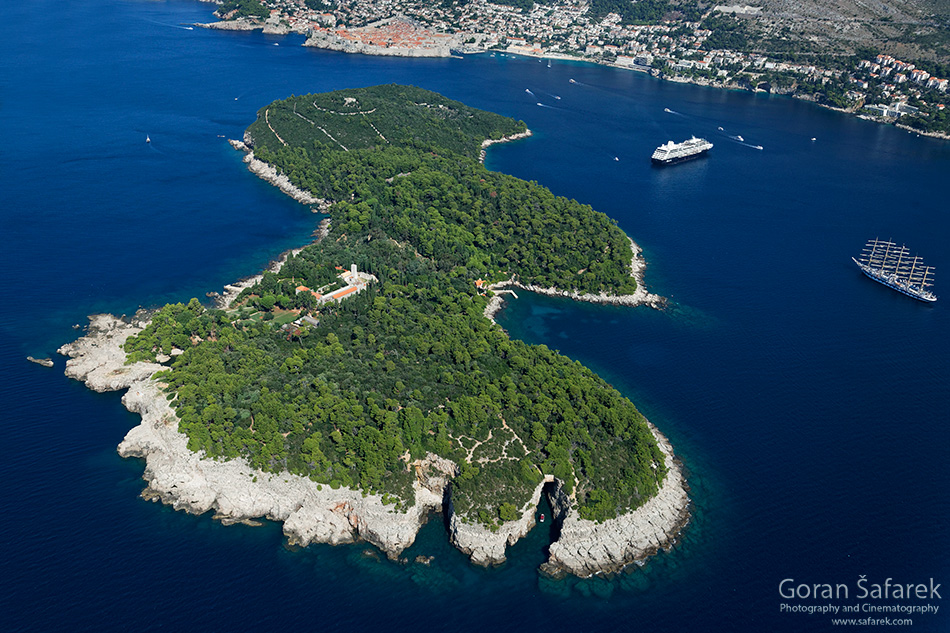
(892, 265)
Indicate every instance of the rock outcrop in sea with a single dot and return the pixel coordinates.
(316, 513)
(486, 547)
(45, 362)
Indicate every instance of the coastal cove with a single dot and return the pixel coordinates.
(805, 401)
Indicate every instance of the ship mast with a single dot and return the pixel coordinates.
(897, 265)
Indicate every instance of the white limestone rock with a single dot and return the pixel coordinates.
(98, 358)
(485, 547)
(586, 547)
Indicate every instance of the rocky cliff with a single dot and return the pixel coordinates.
(585, 548)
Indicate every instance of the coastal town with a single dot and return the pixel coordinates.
(709, 47)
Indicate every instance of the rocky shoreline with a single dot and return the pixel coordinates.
(270, 27)
(586, 548)
(235, 492)
(315, 513)
(504, 139)
(332, 42)
(231, 291)
(266, 171)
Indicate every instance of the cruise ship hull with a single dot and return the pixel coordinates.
(679, 159)
(894, 284)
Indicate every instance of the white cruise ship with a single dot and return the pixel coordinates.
(671, 152)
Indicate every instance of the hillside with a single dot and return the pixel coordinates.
(906, 29)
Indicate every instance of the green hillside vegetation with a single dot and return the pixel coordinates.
(410, 365)
(409, 169)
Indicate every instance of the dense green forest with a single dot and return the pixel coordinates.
(410, 365)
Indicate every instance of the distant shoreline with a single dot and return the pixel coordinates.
(246, 24)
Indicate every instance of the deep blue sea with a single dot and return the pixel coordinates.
(809, 404)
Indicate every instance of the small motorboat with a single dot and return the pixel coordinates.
(541, 519)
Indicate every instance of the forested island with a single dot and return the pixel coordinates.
(365, 362)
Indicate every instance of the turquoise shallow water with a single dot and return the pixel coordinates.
(808, 403)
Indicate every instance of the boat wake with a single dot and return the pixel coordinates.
(531, 93)
(741, 141)
(171, 26)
